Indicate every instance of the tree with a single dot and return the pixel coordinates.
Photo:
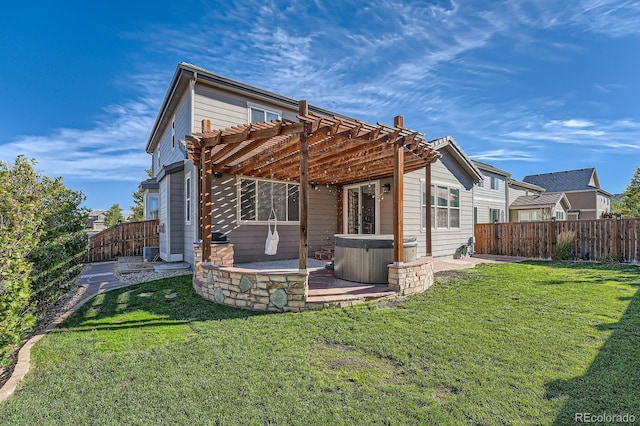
(629, 205)
(138, 202)
(42, 246)
(113, 215)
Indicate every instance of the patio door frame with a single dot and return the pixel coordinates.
(345, 206)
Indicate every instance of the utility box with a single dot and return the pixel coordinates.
(149, 253)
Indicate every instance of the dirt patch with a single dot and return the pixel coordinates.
(444, 394)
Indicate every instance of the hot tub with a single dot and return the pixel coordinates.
(365, 258)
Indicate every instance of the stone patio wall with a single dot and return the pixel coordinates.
(284, 291)
(278, 291)
(412, 277)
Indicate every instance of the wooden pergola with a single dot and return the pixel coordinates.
(318, 149)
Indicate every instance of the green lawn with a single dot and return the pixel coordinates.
(529, 343)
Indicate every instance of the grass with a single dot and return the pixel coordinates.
(529, 343)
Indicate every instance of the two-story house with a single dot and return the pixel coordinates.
(241, 204)
(582, 189)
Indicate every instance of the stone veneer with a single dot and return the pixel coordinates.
(284, 291)
(278, 291)
(411, 277)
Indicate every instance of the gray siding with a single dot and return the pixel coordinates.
(176, 212)
(447, 171)
(386, 209)
(169, 154)
(226, 109)
(249, 239)
(163, 215)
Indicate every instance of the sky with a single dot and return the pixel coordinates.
(527, 86)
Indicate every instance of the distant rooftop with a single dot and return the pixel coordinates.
(566, 180)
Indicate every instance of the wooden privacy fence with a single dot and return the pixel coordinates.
(594, 240)
(126, 239)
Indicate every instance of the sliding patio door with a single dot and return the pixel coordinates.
(361, 209)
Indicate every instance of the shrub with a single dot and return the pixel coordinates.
(564, 246)
(41, 248)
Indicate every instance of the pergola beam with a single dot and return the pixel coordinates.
(320, 149)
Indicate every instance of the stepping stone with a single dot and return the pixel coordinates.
(144, 294)
(171, 295)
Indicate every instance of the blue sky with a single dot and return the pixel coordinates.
(528, 86)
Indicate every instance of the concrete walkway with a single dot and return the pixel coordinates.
(440, 264)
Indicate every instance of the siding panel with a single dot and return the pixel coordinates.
(249, 239)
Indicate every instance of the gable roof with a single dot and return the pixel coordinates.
(186, 73)
(566, 180)
(548, 199)
(489, 168)
(449, 144)
(525, 185)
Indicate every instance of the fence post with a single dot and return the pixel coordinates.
(617, 223)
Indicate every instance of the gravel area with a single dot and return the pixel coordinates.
(143, 277)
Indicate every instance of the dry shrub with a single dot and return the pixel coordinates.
(564, 246)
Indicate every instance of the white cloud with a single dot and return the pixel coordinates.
(111, 150)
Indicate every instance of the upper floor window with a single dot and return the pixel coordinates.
(173, 133)
(495, 183)
(258, 197)
(262, 115)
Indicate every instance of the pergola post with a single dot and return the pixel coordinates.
(398, 196)
(303, 110)
(427, 188)
(206, 172)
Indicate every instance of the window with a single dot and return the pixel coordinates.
(494, 215)
(187, 198)
(152, 207)
(475, 215)
(173, 133)
(258, 196)
(481, 183)
(261, 115)
(495, 183)
(445, 207)
(423, 205)
(559, 215)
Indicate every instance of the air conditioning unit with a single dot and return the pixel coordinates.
(149, 253)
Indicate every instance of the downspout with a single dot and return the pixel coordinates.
(195, 183)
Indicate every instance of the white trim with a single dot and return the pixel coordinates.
(188, 198)
(239, 221)
(262, 107)
(449, 186)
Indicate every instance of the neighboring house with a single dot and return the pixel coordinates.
(241, 205)
(95, 222)
(582, 188)
(518, 188)
(539, 207)
(491, 195)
